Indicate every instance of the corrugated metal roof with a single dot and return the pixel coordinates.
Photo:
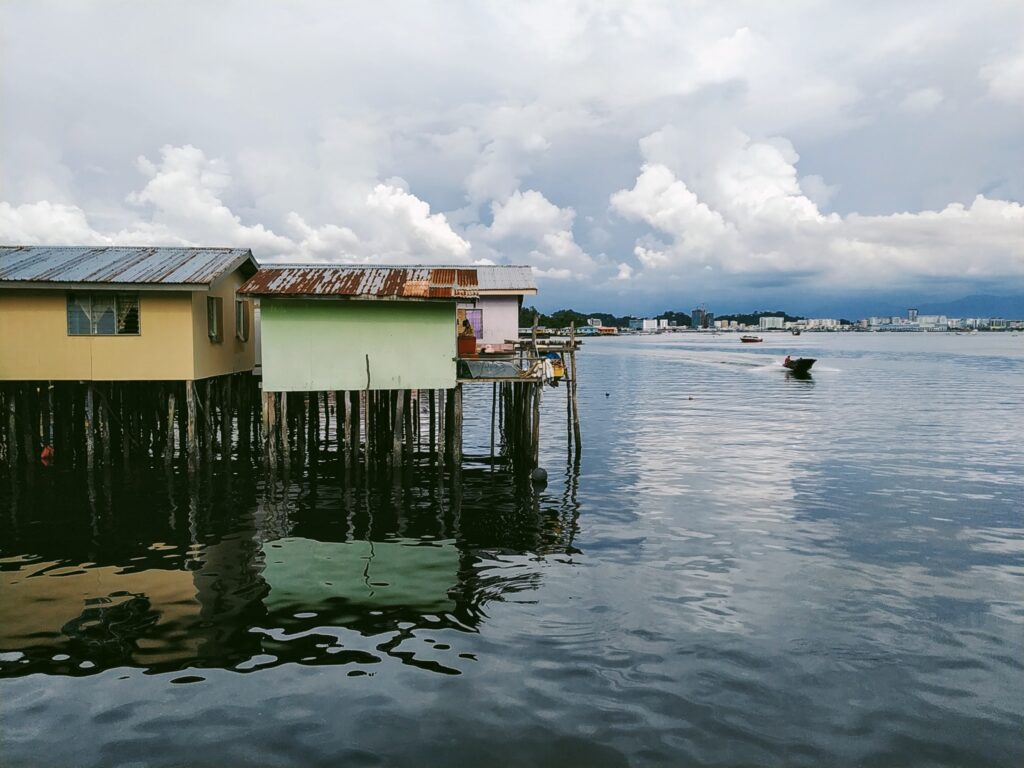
(363, 282)
(501, 278)
(119, 265)
(505, 278)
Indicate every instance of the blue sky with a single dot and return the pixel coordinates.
(820, 157)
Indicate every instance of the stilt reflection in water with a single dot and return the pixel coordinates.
(176, 569)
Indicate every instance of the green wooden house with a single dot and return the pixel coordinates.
(326, 328)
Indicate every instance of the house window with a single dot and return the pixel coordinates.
(103, 314)
(215, 318)
(241, 320)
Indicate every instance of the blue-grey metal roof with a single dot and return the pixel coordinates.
(119, 266)
(507, 279)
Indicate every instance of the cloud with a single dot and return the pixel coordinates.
(181, 204)
(721, 146)
(1005, 78)
(762, 224)
(46, 223)
(922, 101)
(529, 227)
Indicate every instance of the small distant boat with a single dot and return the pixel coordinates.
(795, 331)
(798, 364)
(751, 339)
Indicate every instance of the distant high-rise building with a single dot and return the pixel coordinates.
(697, 318)
(912, 314)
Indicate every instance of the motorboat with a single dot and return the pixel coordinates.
(751, 339)
(798, 364)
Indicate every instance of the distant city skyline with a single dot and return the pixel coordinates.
(1008, 307)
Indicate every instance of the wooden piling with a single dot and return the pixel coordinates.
(494, 408)
(169, 448)
(409, 428)
(572, 384)
(207, 438)
(535, 432)
(225, 418)
(12, 427)
(192, 444)
(355, 417)
(283, 431)
(442, 408)
(457, 429)
(398, 430)
(431, 394)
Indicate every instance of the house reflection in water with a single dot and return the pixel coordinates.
(228, 580)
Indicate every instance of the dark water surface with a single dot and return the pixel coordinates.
(746, 569)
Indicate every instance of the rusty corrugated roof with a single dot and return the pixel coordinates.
(362, 282)
(118, 265)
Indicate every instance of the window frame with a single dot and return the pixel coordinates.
(85, 299)
(215, 319)
(243, 322)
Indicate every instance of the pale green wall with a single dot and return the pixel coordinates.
(321, 344)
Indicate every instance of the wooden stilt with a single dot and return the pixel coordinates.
(494, 408)
(343, 414)
(225, 418)
(575, 402)
(192, 444)
(408, 429)
(169, 448)
(442, 408)
(12, 427)
(354, 417)
(535, 432)
(123, 402)
(29, 429)
(284, 430)
(104, 422)
(398, 430)
(208, 431)
(431, 394)
(457, 430)
(90, 432)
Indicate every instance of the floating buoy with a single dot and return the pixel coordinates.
(46, 456)
(539, 476)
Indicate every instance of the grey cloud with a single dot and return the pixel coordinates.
(397, 130)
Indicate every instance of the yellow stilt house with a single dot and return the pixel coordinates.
(124, 314)
(101, 350)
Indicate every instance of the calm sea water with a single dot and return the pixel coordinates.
(745, 569)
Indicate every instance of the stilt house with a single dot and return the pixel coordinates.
(494, 314)
(350, 328)
(123, 314)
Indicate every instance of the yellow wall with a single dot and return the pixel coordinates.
(35, 345)
(229, 355)
(173, 344)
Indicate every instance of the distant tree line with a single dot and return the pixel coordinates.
(564, 317)
(755, 317)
